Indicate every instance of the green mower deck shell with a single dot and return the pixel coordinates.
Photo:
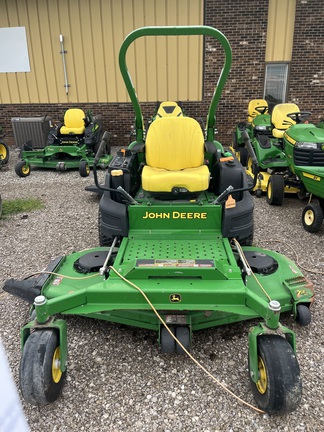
(69, 155)
(177, 271)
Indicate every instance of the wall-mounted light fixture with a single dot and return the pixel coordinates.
(63, 52)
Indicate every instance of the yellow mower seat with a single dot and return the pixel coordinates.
(279, 119)
(253, 104)
(73, 122)
(174, 151)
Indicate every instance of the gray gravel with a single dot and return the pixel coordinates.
(117, 378)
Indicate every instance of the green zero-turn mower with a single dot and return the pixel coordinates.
(72, 144)
(175, 228)
(290, 155)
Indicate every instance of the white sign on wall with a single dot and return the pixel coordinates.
(13, 50)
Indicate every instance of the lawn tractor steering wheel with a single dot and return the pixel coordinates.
(261, 109)
(299, 117)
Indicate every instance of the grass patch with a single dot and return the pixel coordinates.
(20, 205)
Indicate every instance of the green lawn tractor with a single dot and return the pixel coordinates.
(4, 150)
(290, 160)
(72, 144)
(268, 149)
(304, 149)
(175, 256)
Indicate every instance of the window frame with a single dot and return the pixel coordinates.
(286, 78)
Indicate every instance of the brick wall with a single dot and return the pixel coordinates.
(245, 25)
(307, 66)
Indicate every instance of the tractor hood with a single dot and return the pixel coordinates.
(305, 133)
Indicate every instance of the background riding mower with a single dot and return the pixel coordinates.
(258, 121)
(290, 160)
(72, 144)
(173, 219)
(268, 151)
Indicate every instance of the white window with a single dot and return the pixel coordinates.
(275, 86)
(13, 50)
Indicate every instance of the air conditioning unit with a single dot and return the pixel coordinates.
(34, 129)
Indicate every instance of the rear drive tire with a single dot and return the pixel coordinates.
(4, 153)
(104, 240)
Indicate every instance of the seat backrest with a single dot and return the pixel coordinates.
(74, 118)
(279, 119)
(169, 109)
(253, 104)
(174, 143)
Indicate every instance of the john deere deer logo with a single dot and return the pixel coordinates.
(175, 298)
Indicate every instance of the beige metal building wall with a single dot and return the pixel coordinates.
(93, 30)
(280, 34)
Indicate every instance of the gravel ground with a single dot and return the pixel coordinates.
(117, 379)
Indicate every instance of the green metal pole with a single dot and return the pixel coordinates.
(175, 31)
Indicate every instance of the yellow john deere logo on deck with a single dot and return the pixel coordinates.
(175, 215)
(175, 298)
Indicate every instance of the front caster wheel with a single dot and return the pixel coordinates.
(41, 379)
(312, 217)
(275, 190)
(166, 340)
(279, 388)
(22, 169)
(303, 315)
(84, 169)
(183, 336)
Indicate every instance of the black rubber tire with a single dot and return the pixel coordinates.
(312, 217)
(258, 193)
(167, 342)
(244, 156)
(103, 239)
(275, 190)
(21, 169)
(84, 169)
(303, 315)
(37, 383)
(280, 390)
(248, 241)
(183, 335)
(4, 153)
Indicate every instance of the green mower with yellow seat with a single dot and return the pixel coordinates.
(70, 145)
(175, 256)
(290, 156)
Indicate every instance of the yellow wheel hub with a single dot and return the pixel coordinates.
(269, 192)
(56, 371)
(262, 383)
(3, 152)
(25, 169)
(309, 217)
